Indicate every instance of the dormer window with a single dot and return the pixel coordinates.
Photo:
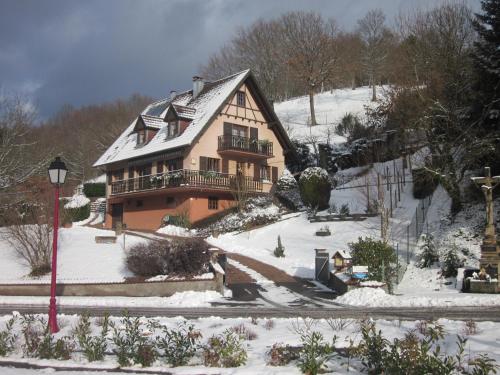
(141, 137)
(173, 129)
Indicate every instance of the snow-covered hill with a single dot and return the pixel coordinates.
(330, 107)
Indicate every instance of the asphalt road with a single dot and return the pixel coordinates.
(391, 313)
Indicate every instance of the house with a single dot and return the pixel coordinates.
(341, 260)
(192, 155)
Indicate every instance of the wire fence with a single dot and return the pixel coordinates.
(416, 226)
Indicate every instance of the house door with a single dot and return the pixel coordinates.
(116, 215)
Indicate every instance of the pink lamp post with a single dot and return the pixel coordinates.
(57, 175)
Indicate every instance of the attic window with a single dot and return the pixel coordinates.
(240, 99)
(141, 137)
(173, 129)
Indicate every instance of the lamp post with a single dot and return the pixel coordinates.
(57, 175)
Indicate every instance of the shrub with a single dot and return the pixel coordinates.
(32, 242)
(61, 348)
(179, 345)
(131, 345)
(94, 190)
(7, 338)
(344, 210)
(281, 355)
(429, 255)
(224, 350)
(314, 352)
(269, 324)
(378, 256)
(93, 347)
(32, 332)
(279, 251)
(244, 332)
(315, 188)
(451, 263)
(148, 259)
(187, 256)
(424, 183)
(351, 127)
(286, 182)
(77, 213)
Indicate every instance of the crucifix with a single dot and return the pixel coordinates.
(487, 184)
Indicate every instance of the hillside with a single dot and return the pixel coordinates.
(330, 107)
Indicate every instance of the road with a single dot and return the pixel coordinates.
(390, 313)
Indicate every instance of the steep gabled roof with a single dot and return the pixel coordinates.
(201, 110)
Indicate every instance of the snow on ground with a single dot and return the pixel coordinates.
(173, 230)
(269, 332)
(80, 258)
(329, 106)
(180, 299)
(298, 234)
(77, 201)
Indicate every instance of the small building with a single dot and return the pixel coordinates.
(341, 260)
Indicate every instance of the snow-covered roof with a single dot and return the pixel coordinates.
(343, 254)
(153, 122)
(200, 109)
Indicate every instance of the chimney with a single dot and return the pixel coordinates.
(173, 94)
(197, 85)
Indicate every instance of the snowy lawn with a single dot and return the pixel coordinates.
(265, 333)
(80, 259)
(329, 106)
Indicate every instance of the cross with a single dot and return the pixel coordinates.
(487, 187)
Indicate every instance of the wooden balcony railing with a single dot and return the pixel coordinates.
(235, 143)
(186, 178)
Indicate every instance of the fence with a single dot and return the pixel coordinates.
(416, 226)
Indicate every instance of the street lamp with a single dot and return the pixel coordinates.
(57, 175)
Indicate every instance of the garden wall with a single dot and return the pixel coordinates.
(127, 289)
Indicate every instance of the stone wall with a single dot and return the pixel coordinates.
(129, 289)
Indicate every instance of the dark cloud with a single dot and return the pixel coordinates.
(83, 52)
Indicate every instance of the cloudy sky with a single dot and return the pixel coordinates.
(83, 52)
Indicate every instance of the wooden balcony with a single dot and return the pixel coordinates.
(230, 144)
(186, 179)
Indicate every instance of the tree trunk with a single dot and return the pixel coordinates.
(353, 82)
(374, 92)
(311, 105)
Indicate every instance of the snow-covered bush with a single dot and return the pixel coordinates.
(344, 210)
(315, 187)
(77, 208)
(131, 345)
(244, 332)
(178, 345)
(225, 350)
(451, 263)
(314, 352)
(281, 355)
(279, 251)
(428, 255)
(286, 182)
(93, 347)
(8, 338)
(178, 257)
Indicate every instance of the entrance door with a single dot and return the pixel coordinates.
(116, 215)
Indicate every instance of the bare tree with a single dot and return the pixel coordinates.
(16, 164)
(376, 37)
(311, 50)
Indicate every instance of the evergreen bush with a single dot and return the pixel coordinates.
(279, 251)
(94, 190)
(225, 350)
(315, 188)
(178, 345)
(72, 215)
(286, 182)
(314, 352)
(451, 263)
(344, 210)
(8, 338)
(93, 347)
(424, 183)
(429, 255)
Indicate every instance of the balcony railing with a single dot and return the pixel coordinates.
(186, 178)
(235, 143)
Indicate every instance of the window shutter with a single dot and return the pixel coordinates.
(228, 128)
(225, 166)
(274, 174)
(203, 163)
(256, 172)
(254, 133)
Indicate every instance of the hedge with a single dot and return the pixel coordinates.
(94, 190)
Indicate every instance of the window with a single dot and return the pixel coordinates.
(213, 164)
(240, 99)
(213, 203)
(141, 137)
(173, 129)
(118, 175)
(265, 172)
(170, 202)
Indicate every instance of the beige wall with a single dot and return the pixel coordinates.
(207, 144)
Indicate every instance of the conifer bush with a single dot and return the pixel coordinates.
(315, 188)
(429, 254)
(279, 251)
